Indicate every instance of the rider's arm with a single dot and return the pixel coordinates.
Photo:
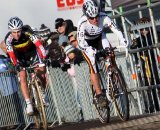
(83, 45)
(39, 46)
(10, 51)
(107, 22)
(81, 36)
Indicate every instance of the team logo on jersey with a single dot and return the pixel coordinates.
(69, 4)
(94, 30)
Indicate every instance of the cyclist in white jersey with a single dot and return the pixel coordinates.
(91, 36)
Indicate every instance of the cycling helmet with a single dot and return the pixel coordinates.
(15, 23)
(90, 9)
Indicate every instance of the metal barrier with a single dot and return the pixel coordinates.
(70, 97)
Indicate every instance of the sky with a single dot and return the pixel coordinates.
(35, 12)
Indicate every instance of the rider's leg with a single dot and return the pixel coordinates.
(41, 73)
(90, 58)
(95, 81)
(25, 92)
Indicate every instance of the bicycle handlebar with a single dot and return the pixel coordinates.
(126, 49)
(107, 51)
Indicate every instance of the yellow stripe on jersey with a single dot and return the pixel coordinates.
(25, 44)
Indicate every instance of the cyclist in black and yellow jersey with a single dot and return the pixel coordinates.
(22, 46)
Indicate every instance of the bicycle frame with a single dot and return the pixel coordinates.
(110, 62)
(116, 87)
(32, 73)
(34, 85)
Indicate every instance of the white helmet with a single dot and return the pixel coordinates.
(90, 8)
(15, 23)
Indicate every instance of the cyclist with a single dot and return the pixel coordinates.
(22, 46)
(91, 36)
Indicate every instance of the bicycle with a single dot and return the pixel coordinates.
(35, 86)
(115, 89)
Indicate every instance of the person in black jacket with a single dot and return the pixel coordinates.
(64, 27)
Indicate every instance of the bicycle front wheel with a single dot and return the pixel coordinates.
(40, 105)
(119, 94)
(102, 112)
(33, 94)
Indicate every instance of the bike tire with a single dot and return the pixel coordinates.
(102, 112)
(36, 117)
(41, 107)
(119, 94)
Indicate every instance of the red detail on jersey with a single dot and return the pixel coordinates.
(13, 57)
(40, 49)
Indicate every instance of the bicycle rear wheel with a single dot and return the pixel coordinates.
(40, 105)
(102, 112)
(119, 94)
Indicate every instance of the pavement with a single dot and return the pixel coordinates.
(145, 122)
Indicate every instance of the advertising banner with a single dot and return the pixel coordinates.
(69, 4)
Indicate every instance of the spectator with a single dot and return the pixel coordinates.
(147, 60)
(72, 37)
(55, 51)
(70, 52)
(44, 32)
(3, 49)
(64, 27)
(144, 40)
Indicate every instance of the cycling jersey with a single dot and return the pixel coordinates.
(90, 36)
(87, 31)
(27, 42)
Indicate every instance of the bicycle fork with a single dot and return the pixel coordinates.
(33, 89)
(101, 76)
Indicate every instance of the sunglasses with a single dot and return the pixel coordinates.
(92, 18)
